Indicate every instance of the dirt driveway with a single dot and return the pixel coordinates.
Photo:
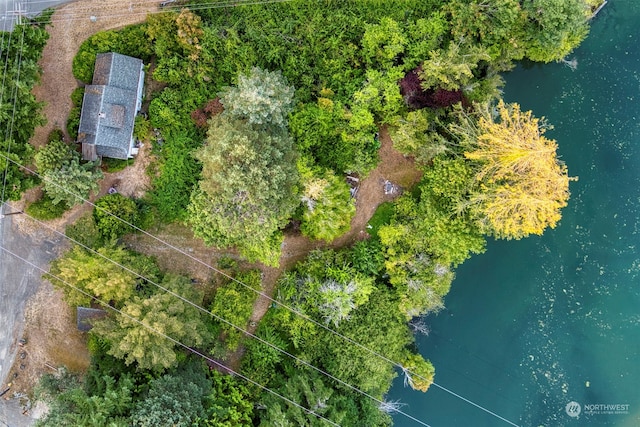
(71, 25)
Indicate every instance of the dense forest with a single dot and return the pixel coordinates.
(258, 115)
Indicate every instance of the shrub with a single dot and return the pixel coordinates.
(45, 210)
(113, 214)
(77, 96)
(114, 165)
(130, 41)
(55, 135)
(141, 128)
(73, 122)
(85, 232)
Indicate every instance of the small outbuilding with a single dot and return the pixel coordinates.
(110, 106)
(85, 315)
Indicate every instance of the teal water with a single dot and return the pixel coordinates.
(533, 325)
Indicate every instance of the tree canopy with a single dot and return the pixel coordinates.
(20, 112)
(521, 183)
(259, 114)
(135, 333)
(93, 273)
(247, 191)
(260, 97)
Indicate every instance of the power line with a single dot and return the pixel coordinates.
(87, 12)
(221, 319)
(186, 347)
(393, 363)
(373, 352)
(350, 340)
(8, 137)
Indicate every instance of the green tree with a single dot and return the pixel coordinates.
(74, 407)
(383, 43)
(228, 404)
(328, 206)
(171, 401)
(247, 190)
(53, 156)
(97, 276)
(497, 25)
(427, 237)
(261, 361)
(451, 68)
(20, 112)
(377, 325)
(555, 27)
(417, 371)
(310, 392)
(134, 334)
(233, 302)
(261, 98)
(413, 135)
(380, 95)
(72, 183)
(335, 137)
(177, 40)
(328, 286)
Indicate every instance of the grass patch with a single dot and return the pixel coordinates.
(115, 165)
(382, 216)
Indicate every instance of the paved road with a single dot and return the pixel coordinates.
(18, 282)
(11, 9)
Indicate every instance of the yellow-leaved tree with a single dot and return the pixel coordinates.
(521, 183)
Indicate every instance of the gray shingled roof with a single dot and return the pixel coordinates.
(110, 105)
(114, 69)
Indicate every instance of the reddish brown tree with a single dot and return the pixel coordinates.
(417, 97)
(202, 115)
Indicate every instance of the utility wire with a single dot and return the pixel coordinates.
(293, 310)
(175, 341)
(85, 13)
(8, 137)
(227, 322)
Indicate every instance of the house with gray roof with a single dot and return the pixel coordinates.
(110, 106)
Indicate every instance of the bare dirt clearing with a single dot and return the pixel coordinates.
(393, 167)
